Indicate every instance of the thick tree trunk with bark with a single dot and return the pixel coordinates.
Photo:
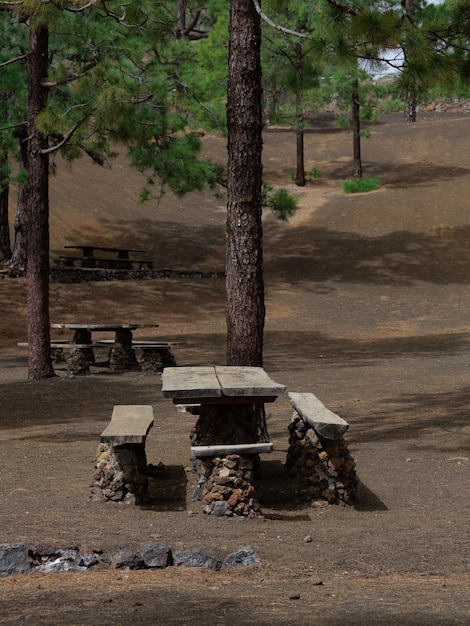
(37, 235)
(244, 261)
(356, 126)
(5, 249)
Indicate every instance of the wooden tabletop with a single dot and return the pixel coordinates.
(110, 326)
(96, 326)
(224, 382)
(89, 248)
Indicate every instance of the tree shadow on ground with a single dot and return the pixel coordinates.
(441, 418)
(167, 487)
(398, 258)
(282, 347)
(397, 175)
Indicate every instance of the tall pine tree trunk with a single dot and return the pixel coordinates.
(245, 310)
(299, 121)
(410, 103)
(37, 235)
(356, 125)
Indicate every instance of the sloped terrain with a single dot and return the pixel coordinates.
(367, 298)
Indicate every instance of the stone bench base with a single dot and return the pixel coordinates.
(318, 458)
(120, 472)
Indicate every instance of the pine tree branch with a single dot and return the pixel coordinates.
(65, 140)
(20, 58)
(266, 19)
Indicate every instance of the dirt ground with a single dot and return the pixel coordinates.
(367, 306)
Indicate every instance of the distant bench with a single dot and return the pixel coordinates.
(102, 263)
(57, 347)
(121, 464)
(156, 355)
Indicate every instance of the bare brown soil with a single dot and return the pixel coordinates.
(367, 306)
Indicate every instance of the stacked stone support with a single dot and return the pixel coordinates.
(120, 474)
(228, 485)
(323, 470)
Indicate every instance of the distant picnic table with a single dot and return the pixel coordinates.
(89, 259)
(122, 355)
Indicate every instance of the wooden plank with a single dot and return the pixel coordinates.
(65, 344)
(247, 381)
(130, 423)
(222, 450)
(323, 421)
(190, 382)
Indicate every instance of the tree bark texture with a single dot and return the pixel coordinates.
(37, 235)
(18, 261)
(300, 180)
(356, 124)
(245, 311)
(5, 249)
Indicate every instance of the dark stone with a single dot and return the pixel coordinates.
(195, 558)
(241, 558)
(157, 555)
(14, 559)
(220, 508)
(127, 558)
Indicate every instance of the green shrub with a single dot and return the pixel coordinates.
(314, 174)
(282, 203)
(361, 185)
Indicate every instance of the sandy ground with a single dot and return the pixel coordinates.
(367, 298)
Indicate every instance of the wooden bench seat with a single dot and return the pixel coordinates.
(313, 412)
(93, 262)
(130, 423)
(144, 343)
(121, 465)
(59, 343)
(144, 264)
(224, 450)
(67, 261)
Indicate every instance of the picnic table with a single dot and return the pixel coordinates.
(219, 384)
(89, 259)
(225, 441)
(122, 355)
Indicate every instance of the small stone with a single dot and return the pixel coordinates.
(13, 559)
(127, 558)
(196, 558)
(241, 558)
(220, 508)
(157, 555)
(308, 539)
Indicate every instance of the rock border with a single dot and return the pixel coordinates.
(20, 558)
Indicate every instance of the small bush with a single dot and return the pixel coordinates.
(282, 203)
(314, 174)
(361, 185)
